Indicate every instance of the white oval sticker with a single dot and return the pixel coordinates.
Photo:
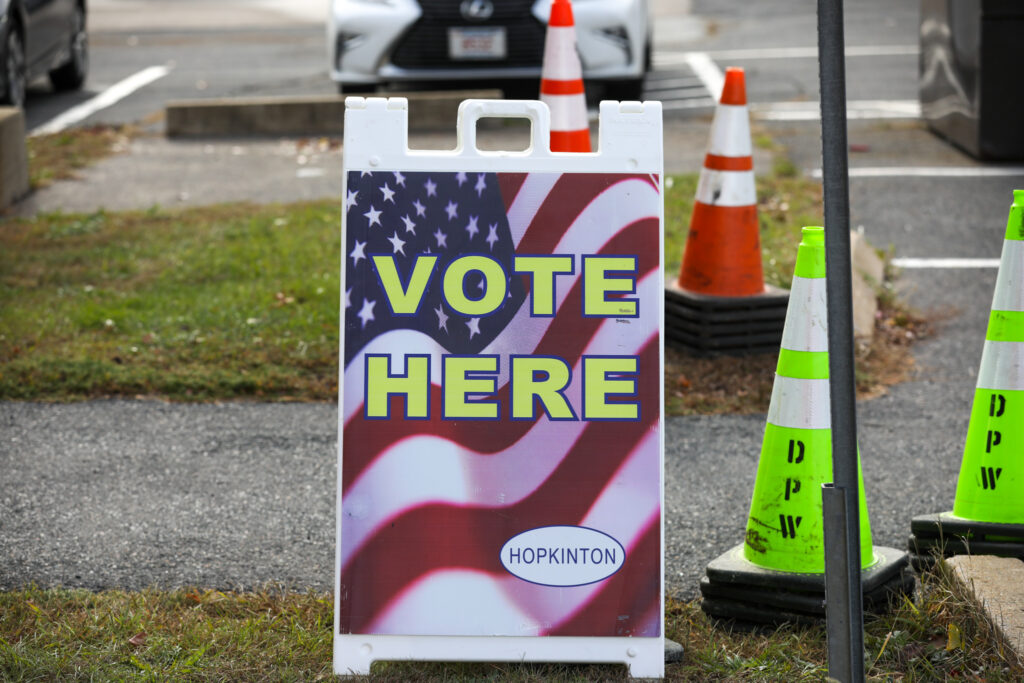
(562, 555)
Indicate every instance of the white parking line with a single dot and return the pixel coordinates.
(677, 58)
(798, 111)
(710, 75)
(701, 102)
(707, 71)
(855, 109)
(932, 172)
(946, 262)
(111, 95)
(662, 84)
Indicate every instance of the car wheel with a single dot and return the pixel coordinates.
(631, 89)
(14, 70)
(71, 75)
(356, 88)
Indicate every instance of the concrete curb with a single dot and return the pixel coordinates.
(997, 583)
(14, 182)
(294, 116)
(867, 276)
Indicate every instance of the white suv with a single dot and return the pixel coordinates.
(374, 42)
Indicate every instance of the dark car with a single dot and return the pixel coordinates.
(41, 37)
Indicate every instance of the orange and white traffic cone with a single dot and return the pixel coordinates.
(561, 85)
(719, 304)
(723, 250)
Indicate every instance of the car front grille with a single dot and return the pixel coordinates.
(425, 44)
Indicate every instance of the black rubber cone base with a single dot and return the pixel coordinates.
(673, 652)
(943, 534)
(722, 325)
(737, 589)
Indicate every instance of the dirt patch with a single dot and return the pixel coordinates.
(58, 156)
(727, 384)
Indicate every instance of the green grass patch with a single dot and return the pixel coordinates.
(241, 301)
(273, 635)
(202, 304)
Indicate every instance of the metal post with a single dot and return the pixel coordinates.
(835, 174)
(837, 585)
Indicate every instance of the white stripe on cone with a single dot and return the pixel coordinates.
(800, 403)
(1002, 366)
(1009, 294)
(806, 328)
(568, 112)
(561, 63)
(730, 131)
(726, 188)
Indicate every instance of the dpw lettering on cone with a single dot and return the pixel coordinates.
(561, 85)
(778, 573)
(722, 256)
(988, 510)
(719, 303)
(784, 532)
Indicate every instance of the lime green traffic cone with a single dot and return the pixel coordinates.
(784, 529)
(991, 484)
(988, 510)
(778, 573)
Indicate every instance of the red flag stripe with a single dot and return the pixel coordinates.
(566, 201)
(510, 184)
(412, 546)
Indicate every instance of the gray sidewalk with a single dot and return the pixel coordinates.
(157, 171)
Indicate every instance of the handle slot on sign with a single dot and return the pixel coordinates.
(535, 112)
(505, 134)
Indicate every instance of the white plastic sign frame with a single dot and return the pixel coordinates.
(376, 142)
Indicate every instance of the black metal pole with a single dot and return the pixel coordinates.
(835, 173)
(837, 583)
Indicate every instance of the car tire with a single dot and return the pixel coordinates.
(630, 89)
(14, 83)
(357, 88)
(71, 75)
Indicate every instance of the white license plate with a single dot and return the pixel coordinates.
(476, 43)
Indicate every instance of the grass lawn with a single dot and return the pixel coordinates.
(272, 635)
(233, 301)
(241, 302)
(59, 156)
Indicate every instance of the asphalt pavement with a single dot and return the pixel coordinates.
(127, 493)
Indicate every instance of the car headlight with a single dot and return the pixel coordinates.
(616, 34)
(345, 42)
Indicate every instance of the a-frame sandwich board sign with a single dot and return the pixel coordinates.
(500, 493)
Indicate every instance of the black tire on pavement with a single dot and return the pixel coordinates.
(13, 65)
(71, 75)
(630, 89)
(357, 88)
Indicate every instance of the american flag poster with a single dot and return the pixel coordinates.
(501, 405)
